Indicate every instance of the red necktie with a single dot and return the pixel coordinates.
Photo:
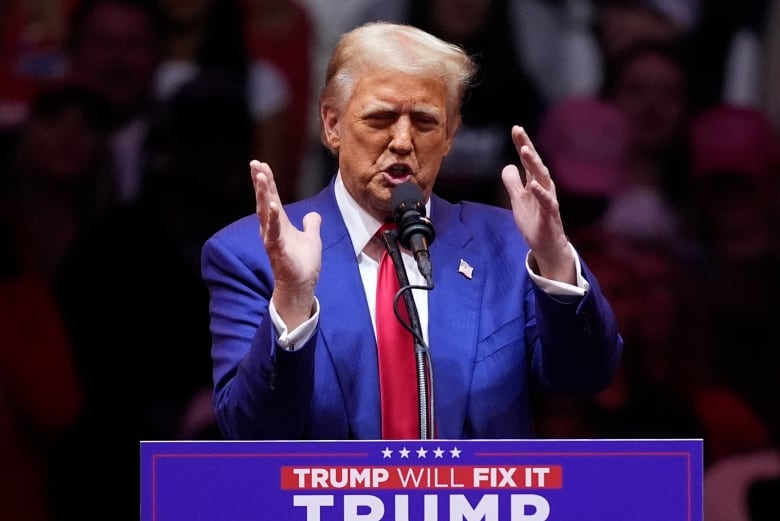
(395, 350)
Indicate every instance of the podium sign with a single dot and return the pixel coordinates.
(431, 480)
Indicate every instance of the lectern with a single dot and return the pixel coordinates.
(422, 480)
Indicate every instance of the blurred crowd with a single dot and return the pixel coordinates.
(126, 129)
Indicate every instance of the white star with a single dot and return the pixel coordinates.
(455, 453)
(387, 452)
(421, 452)
(438, 452)
(404, 452)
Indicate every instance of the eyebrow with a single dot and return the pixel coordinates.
(425, 109)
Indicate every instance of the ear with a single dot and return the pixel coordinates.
(331, 130)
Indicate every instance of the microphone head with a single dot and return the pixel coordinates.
(407, 196)
(409, 213)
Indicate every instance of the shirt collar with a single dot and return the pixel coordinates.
(361, 225)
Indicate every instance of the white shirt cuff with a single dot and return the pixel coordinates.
(293, 340)
(554, 287)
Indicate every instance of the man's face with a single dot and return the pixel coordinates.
(651, 90)
(117, 54)
(393, 129)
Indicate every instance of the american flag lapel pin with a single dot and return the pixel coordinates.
(465, 269)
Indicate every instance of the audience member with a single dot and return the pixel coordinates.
(199, 35)
(555, 42)
(646, 287)
(596, 31)
(135, 303)
(49, 195)
(734, 153)
(648, 82)
(729, 45)
(621, 24)
(55, 180)
(672, 358)
(329, 19)
(114, 47)
(208, 37)
(734, 156)
(586, 141)
(32, 53)
(667, 385)
(283, 33)
(40, 393)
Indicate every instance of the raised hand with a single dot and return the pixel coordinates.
(536, 210)
(295, 255)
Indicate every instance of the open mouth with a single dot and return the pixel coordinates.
(398, 172)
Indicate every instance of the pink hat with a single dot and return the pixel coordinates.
(730, 138)
(585, 143)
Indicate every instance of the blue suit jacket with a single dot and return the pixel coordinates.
(493, 338)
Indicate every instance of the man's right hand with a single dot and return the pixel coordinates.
(295, 255)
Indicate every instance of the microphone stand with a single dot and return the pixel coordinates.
(421, 352)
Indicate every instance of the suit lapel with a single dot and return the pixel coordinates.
(345, 323)
(453, 308)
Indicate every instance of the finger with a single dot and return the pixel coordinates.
(523, 146)
(262, 172)
(513, 183)
(259, 181)
(520, 139)
(260, 185)
(546, 198)
(311, 223)
(255, 169)
(534, 166)
(266, 193)
(269, 174)
(532, 161)
(272, 229)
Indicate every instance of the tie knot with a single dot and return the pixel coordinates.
(376, 246)
(388, 226)
(385, 227)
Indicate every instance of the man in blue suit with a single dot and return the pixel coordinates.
(513, 310)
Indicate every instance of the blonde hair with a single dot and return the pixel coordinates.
(396, 47)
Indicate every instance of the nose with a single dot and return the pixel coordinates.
(401, 136)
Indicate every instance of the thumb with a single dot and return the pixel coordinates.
(513, 183)
(311, 223)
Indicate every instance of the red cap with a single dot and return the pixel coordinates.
(735, 139)
(585, 143)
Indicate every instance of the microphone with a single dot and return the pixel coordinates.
(415, 231)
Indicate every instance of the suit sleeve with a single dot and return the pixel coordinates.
(260, 390)
(579, 345)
